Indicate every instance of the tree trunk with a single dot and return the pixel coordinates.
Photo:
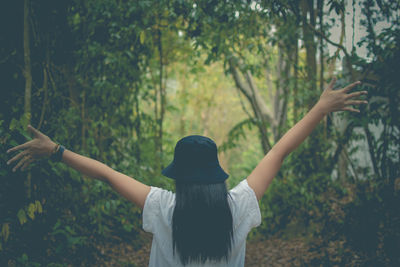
(341, 39)
(160, 109)
(45, 88)
(83, 120)
(307, 9)
(308, 27)
(296, 83)
(161, 93)
(282, 93)
(27, 60)
(341, 125)
(137, 125)
(28, 81)
(321, 44)
(263, 116)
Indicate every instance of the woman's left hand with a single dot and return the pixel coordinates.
(39, 147)
(338, 100)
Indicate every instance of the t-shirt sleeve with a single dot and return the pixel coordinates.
(246, 209)
(157, 209)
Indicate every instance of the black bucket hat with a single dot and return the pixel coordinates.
(195, 161)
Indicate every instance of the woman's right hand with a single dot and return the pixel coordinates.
(39, 147)
(337, 100)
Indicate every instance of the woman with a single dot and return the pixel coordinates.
(202, 224)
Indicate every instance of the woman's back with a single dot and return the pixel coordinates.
(157, 219)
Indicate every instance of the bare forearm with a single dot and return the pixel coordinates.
(330, 100)
(85, 165)
(261, 177)
(299, 132)
(43, 147)
(126, 186)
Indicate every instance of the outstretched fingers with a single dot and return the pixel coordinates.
(351, 101)
(356, 94)
(355, 102)
(21, 162)
(351, 109)
(34, 131)
(27, 163)
(350, 86)
(18, 156)
(25, 145)
(332, 83)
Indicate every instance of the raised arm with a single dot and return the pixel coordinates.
(42, 146)
(330, 100)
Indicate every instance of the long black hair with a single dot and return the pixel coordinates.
(202, 227)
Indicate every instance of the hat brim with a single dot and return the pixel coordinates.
(204, 175)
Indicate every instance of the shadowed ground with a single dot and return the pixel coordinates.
(271, 252)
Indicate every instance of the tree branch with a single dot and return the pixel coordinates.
(341, 143)
(328, 40)
(371, 151)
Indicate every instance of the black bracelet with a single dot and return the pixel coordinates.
(57, 156)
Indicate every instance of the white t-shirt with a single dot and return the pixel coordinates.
(157, 219)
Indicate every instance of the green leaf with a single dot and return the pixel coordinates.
(14, 124)
(142, 37)
(5, 231)
(38, 206)
(24, 120)
(26, 134)
(31, 210)
(22, 216)
(24, 257)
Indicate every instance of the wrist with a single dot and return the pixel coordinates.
(57, 153)
(321, 108)
(51, 148)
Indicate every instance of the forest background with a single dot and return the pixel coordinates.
(123, 81)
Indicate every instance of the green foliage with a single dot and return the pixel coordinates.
(372, 224)
(237, 132)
